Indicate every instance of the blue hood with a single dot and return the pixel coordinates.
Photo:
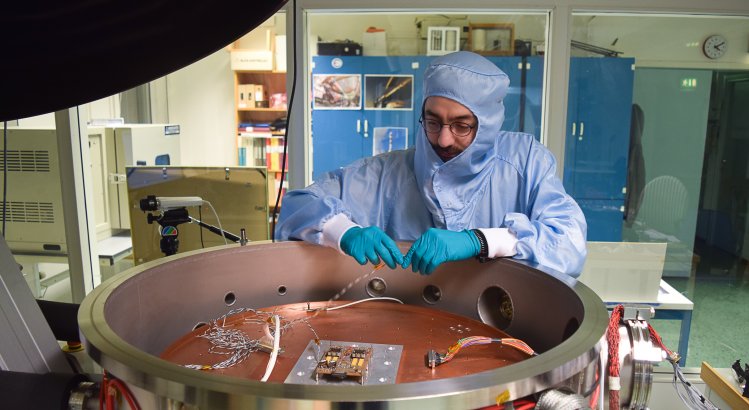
(479, 85)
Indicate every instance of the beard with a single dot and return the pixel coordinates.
(446, 154)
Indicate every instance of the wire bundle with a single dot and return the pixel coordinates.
(108, 393)
(612, 337)
(434, 358)
(227, 340)
(688, 394)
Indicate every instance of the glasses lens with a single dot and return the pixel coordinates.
(460, 129)
(432, 126)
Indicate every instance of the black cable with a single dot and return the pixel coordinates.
(523, 86)
(5, 173)
(288, 122)
(200, 216)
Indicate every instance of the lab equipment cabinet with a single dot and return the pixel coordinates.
(344, 131)
(597, 141)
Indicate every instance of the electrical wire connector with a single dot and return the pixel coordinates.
(433, 359)
(265, 344)
(672, 357)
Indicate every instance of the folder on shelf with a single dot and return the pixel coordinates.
(259, 93)
(250, 95)
(242, 90)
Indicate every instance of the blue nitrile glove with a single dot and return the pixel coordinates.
(371, 244)
(436, 246)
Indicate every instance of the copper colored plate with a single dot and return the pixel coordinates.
(417, 329)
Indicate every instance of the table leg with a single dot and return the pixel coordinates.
(686, 325)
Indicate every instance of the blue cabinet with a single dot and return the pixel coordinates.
(340, 136)
(533, 95)
(597, 141)
(523, 99)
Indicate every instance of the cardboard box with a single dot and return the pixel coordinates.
(375, 43)
(261, 60)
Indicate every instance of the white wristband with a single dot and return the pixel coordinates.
(500, 241)
(334, 228)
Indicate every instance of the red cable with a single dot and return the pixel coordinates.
(122, 388)
(656, 338)
(102, 388)
(612, 336)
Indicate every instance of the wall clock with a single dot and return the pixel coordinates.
(714, 47)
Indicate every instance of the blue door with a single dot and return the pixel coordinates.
(392, 103)
(337, 128)
(597, 142)
(604, 107)
(512, 67)
(534, 83)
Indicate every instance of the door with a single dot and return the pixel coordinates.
(597, 143)
(601, 140)
(337, 118)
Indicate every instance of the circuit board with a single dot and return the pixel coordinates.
(344, 362)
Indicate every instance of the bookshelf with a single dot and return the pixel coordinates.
(260, 101)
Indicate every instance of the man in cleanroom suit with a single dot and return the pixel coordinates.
(466, 189)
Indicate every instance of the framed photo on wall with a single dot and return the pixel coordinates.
(386, 139)
(388, 92)
(336, 91)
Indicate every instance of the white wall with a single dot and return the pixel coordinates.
(201, 101)
(107, 107)
(668, 41)
(403, 35)
(259, 37)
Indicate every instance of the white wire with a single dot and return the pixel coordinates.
(276, 347)
(217, 220)
(364, 300)
(688, 394)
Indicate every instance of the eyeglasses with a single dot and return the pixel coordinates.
(458, 128)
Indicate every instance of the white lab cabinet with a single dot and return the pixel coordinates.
(33, 212)
(115, 148)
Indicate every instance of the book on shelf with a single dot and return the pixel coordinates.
(274, 155)
(257, 135)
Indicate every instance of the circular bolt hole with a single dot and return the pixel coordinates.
(230, 298)
(282, 290)
(199, 325)
(376, 287)
(431, 294)
(495, 307)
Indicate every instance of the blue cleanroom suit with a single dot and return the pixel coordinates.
(502, 180)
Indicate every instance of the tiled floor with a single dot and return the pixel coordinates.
(719, 288)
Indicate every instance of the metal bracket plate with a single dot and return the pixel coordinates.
(383, 367)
